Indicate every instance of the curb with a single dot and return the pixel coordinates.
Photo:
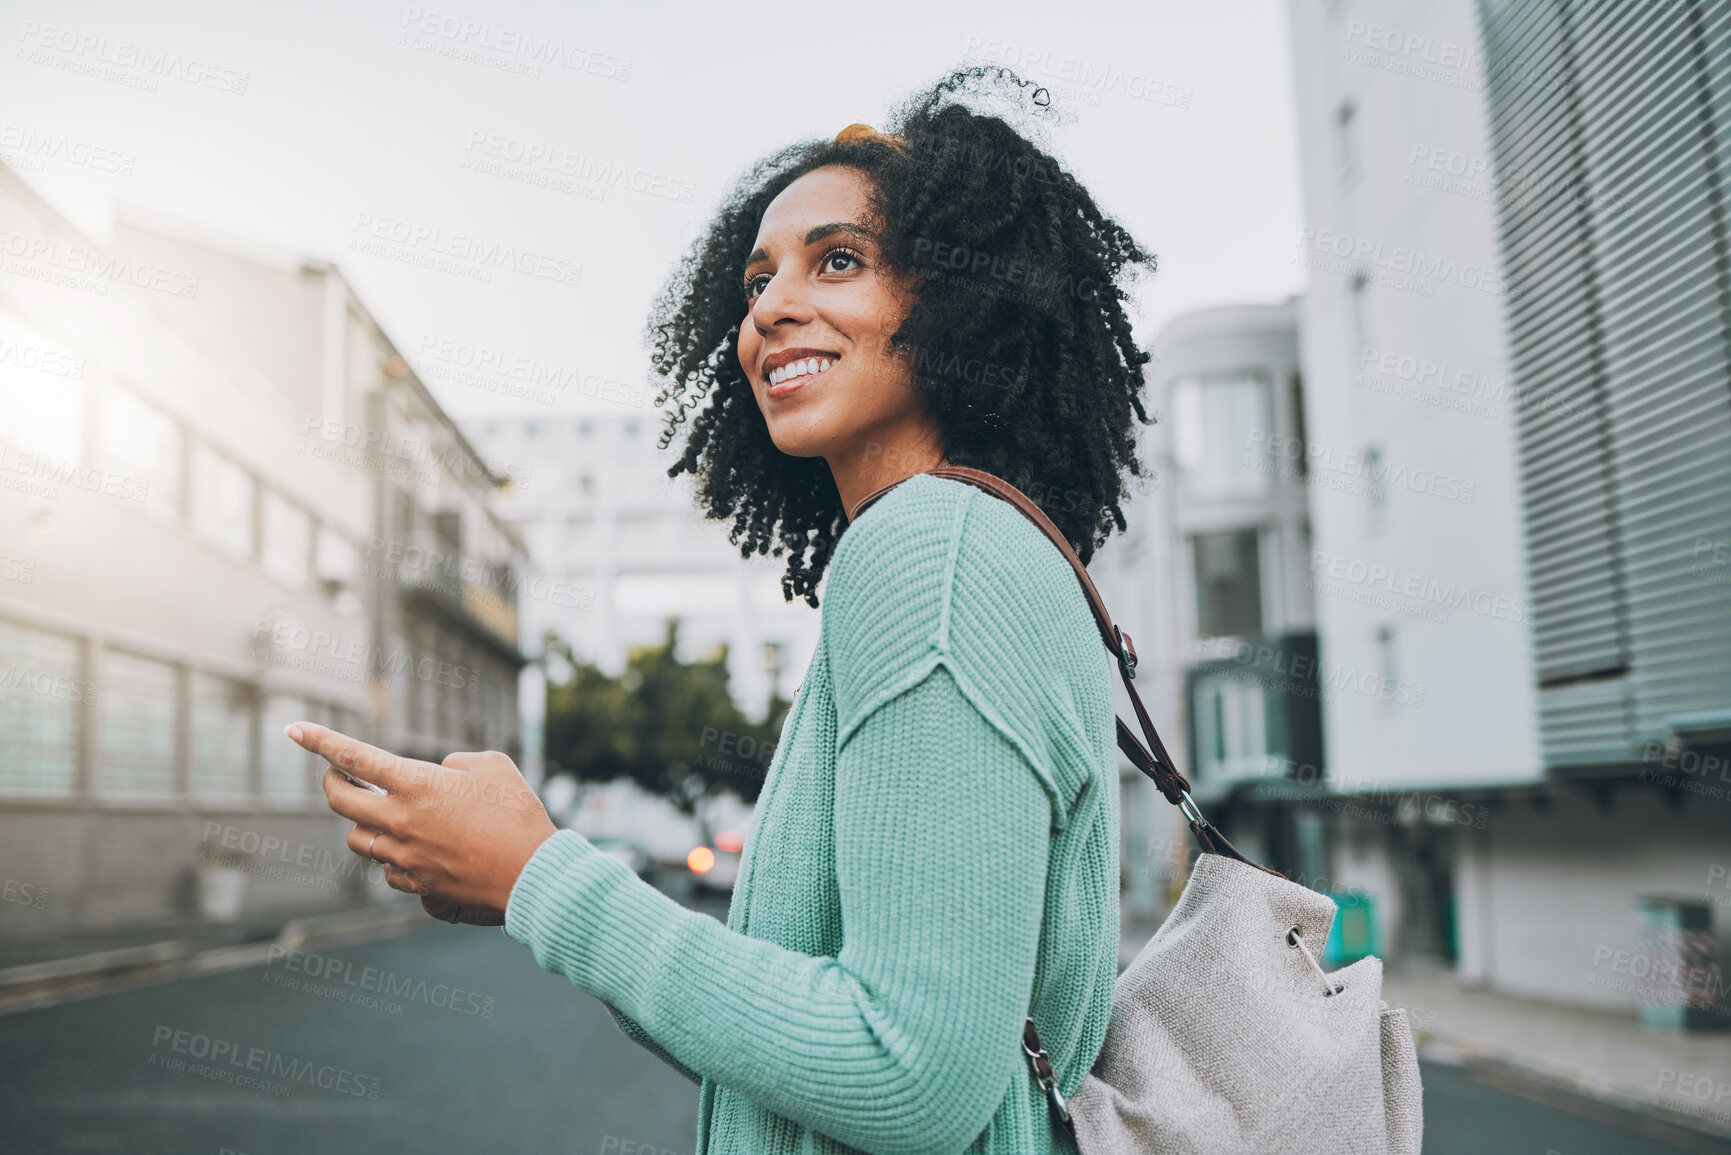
(45, 984)
(1521, 1075)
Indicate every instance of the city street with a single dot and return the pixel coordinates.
(457, 1042)
(547, 1071)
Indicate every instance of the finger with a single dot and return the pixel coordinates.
(399, 879)
(361, 840)
(359, 806)
(368, 763)
(465, 760)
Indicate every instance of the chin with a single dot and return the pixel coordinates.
(796, 440)
(807, 430)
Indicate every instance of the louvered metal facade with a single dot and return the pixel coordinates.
(1611, 124)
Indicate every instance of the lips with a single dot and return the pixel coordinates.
(806, 365)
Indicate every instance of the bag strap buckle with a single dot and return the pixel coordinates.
(1041, 1064)
(1126, 651)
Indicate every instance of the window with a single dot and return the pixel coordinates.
(421, 701)
(1346, 138)
(336, 562)
(1228, 583)
(1388, 668)
(1223, 435)
(448, 530)
(289, 771)
(136, 738)
(1298, 428)
(1375, 489)
(405, 519)
(488, 721)
(397, 677)
(287, 540)
(1360, 286)
(222, 501)
(1231, 728)
(143, 445)
(223, 713)
(41, 699)
(450, 687)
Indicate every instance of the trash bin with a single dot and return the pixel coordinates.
(1676, 964)
(221, 885)
(1353, 935)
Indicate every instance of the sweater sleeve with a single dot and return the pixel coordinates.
(639, 1036)
(908, 1039)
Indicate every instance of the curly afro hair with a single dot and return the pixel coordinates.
(1018, 338)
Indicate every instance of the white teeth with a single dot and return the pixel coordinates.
(799, 369)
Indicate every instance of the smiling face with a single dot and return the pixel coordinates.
(815, 342)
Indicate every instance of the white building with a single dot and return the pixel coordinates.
(1209, 580)
(190, 548)
(1516, 436)
(621, 549)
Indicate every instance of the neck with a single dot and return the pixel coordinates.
(865, 471)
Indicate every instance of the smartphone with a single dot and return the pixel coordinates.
(367, 786)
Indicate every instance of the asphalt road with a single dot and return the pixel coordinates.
(469, 1047)
(458, 1042)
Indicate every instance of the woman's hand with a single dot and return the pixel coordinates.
(457, 834)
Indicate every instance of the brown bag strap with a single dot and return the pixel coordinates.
(1157, 765)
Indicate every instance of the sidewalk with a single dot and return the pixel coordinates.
(1681, 1078)
(42, 972)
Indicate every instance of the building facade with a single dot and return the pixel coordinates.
(1209, 578)
(1517, 421)
(213, 471)
(621, 549)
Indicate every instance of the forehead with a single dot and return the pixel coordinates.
(820, 197)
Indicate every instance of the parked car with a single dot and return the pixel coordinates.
(629, 851)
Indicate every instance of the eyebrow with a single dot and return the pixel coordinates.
(817, 233)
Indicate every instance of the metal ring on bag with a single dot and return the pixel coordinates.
(1187, 807)
(1041, 1064)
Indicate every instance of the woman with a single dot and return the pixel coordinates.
(934, 856)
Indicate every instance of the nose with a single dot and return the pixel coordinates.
(783, 300)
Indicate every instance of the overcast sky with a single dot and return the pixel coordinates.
(278, 130)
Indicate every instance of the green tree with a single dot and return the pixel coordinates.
(670, 726)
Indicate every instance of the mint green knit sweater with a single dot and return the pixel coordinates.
(934, 853)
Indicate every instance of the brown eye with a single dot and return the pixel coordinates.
(839, 255)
